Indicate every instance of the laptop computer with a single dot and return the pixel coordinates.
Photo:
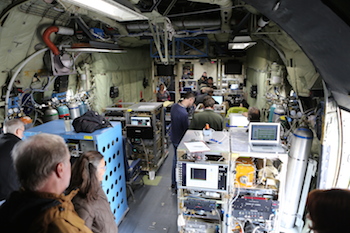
(218, 98)
(265, 137)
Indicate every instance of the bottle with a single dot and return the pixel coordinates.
(207, 132)
(67, 124)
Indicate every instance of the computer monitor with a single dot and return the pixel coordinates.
(135, 120)
(218, 98)
(234, 86)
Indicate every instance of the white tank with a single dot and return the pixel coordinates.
(278, 112)
(297, 164)
(74, 110)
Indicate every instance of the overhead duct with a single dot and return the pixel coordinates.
(226, 14)
(180, 25)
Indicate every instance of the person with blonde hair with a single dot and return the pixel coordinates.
(91, 202)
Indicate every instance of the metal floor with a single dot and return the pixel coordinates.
(155, 207)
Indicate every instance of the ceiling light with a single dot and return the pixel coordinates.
(241, 45)
(241, 42)
(109, 8)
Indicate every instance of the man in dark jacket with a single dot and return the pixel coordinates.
(179, 126)
(42, 163)
(13, 133)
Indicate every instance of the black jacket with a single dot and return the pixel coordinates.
(8, 177)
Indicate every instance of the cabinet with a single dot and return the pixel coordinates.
(259, 186)
(145, 131)
(229, 188)
(204, 182)
(109, 143)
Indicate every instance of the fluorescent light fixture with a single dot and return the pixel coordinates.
(241, 42)
(109, 8)
(241, 45)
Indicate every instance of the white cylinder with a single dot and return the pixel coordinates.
(65, 31)
(278, 112)
(74, 110)
(297, 164)
(276, 74)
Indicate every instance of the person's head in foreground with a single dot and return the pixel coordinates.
(329, 210)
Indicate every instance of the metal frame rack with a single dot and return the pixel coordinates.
(118, 112)
(203, 180)
(109, 143)
(147, 142)
(228, 187)
(259, 186)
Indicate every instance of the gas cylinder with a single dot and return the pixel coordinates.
(50, 114)
(300, 149)
(63, 111)
(272, 109)
(278, 112)
(83, 108)
(73, 110)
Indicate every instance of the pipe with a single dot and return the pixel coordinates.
(59, 30)
(10, 85)
(48, 42)
(226, 11)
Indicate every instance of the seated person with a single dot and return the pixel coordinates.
(202, 79)
(162, 94)
(206, 91)
(253, 114)
(329, 210)
(208, 116)
(210, 83)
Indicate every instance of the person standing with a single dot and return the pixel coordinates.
(42, 163)
(208, 116)
(91, 202)
(179, 126)
(13, 133)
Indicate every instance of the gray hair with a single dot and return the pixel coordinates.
(12, 125)
(37, 157)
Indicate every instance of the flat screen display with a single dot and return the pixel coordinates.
(264, 132)
(233, 67)
(198, 174)
(165, 70)
(218, 98)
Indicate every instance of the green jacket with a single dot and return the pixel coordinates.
(29, 212)
(214, 120)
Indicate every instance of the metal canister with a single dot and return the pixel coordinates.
(74, 110)
(297, 163)
(50, 114)
(63, 111)
(83, 108)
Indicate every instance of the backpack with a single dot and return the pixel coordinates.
(89, 122)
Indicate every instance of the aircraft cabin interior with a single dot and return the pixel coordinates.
(287, 58)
